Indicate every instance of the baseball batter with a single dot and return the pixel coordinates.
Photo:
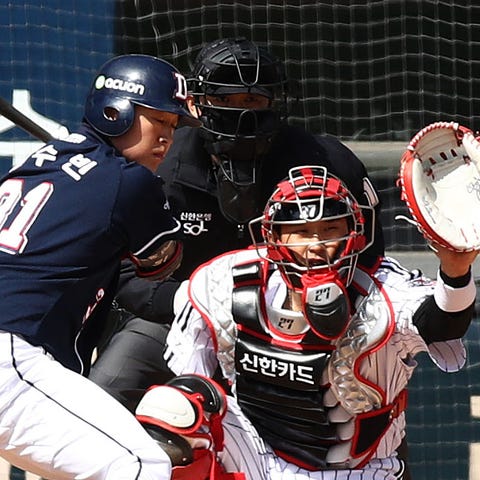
(68, 215)
(318, 351)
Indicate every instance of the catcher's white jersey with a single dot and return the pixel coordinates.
(203, 336)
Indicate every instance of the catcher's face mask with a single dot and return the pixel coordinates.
(313, 229)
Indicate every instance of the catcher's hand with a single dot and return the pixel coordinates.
(440, 182)
(453, 263)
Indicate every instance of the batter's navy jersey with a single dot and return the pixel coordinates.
(68, 215)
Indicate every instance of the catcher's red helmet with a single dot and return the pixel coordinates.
(310, 194)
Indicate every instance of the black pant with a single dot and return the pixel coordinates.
(131, 359)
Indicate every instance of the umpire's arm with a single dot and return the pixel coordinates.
(150, 300)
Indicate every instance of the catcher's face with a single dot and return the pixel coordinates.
(149, 139)
(315, 243)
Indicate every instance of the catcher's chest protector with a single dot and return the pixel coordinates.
(303, 394)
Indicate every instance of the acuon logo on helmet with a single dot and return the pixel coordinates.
(118, 84)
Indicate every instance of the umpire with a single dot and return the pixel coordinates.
(217, 178)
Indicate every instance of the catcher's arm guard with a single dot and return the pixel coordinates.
(185, 417)
(440, 182)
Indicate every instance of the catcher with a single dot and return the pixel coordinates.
(318, 350)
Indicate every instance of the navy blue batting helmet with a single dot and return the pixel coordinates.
(129, 80)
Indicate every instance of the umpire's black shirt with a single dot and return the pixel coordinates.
(191, 189)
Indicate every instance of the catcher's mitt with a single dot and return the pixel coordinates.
(440, 182)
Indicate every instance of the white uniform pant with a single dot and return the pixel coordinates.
(246, 452)
(59, 425)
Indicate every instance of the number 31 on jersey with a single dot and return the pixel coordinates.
(14, 222)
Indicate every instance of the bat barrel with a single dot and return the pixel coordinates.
(22, 121)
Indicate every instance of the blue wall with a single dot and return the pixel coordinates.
(52, 48)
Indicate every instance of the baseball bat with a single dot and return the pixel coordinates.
(22, 121)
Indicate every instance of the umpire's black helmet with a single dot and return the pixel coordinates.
(237, 65)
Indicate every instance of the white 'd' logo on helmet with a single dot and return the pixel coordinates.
(181, 91)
